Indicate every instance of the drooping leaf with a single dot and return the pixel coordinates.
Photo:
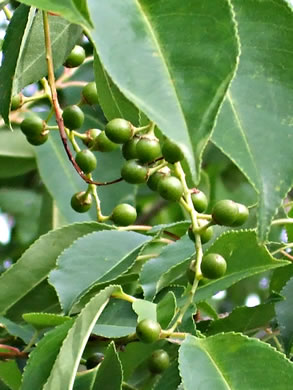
(180, 90)
(170, 256)
(117, 320)
(92, 259)
(109, 375)
(244, 256)
(69, 9)
(42, 358)
(64, 370)
(285, 316)
(16, 154)
(145, 310)
(112, 101)
(35, 264)
(216, 363)
(243, 319)
(253, 128)
(24, 332)
(10, 374)
(14, 43)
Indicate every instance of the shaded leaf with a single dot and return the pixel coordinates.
(181, 90)
(64, 370)
(10, 374)
(24, 332)
(252, 128)
(166, 308)
(30, 271)
(215, 363)
(170, 379)
(84, 380)
(285, 315)
(244, 257)
(92, 259)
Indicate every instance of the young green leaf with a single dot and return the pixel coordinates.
(285, 316)
(145, 310)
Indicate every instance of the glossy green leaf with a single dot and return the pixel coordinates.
(166, 308)
(244, 319)
(285, 316)
(109, 375)
(244, 256)
(145, 310)
(24, 332)
(42, 358)
(13, 46)
(112, 101)
(68, 9)
(216, 363)
(10, 374)
(44, 320)
(92, 259)
(117, 320)
(29, 271)
(16, 154)
(31, 65)
(170, 256)
(255, 129)
(180, 90)
(60, 178)
(64, 370)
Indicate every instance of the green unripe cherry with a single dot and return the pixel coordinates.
(94, 360)
(90, 94)
(170, 188)
(155, 178)
(16, 102)
(133, 172)
(73, 117)
(81, 202)
(148, 149)
(124, 215)
(171, 151)
(76, 57)
(129, 149)
(199, 200)
(103, 144)
(91, 134)
(86, 160)
(38, 139)
(213, 266)
(32, 126)
(225, 212)
(242, 215)
(159, 361)
(148, 331)
(119, 130)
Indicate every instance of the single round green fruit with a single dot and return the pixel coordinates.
(170, 188)
(225, 212)
(86, 160)
(103, 144)
(76, 57)
(159, 361)
(213, 266)
(171, 151)
(199, 200)
(90, 94)
(38, 139)
(119, 130)
(133, 172)
(91, 134)
(81, 202)
(124, 215)
(155, 178)
(73, 117)
(242, 215)
(148, 149)
(16, 102)
(32, 126)
(148, 331)
(129, 149)
(94, 360)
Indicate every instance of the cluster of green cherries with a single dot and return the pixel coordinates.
(147, 331)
